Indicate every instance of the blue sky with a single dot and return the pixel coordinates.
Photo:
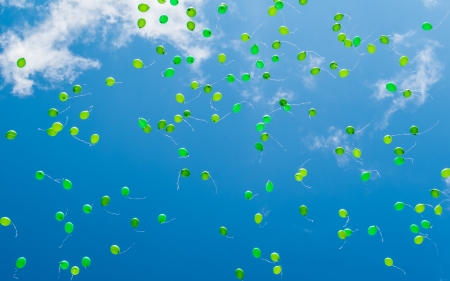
(84, 42)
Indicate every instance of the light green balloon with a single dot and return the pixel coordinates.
(258, 218)
(275, 257)
(388, 262)
(104, 201)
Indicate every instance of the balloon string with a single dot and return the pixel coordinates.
(257, 28)
(328, 72)
(66, 212)
(262, 225)
(217, 21)
(79, 96)
(168, 137)
(375, 172)
(355, 65)
(64, 110)
(400, 135)
(274, 111)
(142, 198)
(194, 98)
(291, 45)
(189, 126)
(111, 212)
(442, 20)
(382, 240)
(348, 219)
(277, 142)
(411, 147)
(308, 102)
(150, 64)
(219, 81)
(248, 103)
(14, 276)
(359, 162)
(443, 201)
(305, 185)
(282, 14)
(315, 53)
(437, 250)
(278, 80)
(364, 127)
(213, 182)
(345, 241)
(90, 108)
(253, 196)
(229, 237)
(429, 206)
(52, 178)
(359, 53)
(399, 269)
(178, 181)
(412, 160)
(82, 141)
(67, 119)
(64, 241)
(140, 231)
(304, 163)
(198, 119)
(15, 228)
(352, 30)
(268, 261)
(210, 103)
(229, 62)
(367, 37)
(262, 44)
(71, 277)
(59, 269)
(308, 219)
(127, 249)
(260, 159)
(224, 117)
(430, 128)
(292, 6)
(169, 221)
(394, 50)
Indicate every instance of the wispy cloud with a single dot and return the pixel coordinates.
(308, 80)
(426, 73)
(400, 39)
(255, 94)
(46, 45)
(21, 4)
(430, 3)
(288, 95)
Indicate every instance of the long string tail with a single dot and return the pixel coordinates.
(79, 96)
(361, 54)
(394, 50)
(291, 6)
(376, 172)
(178, 181)
(430, 128)
(194, 98)
(217, 21)
(444, 200)
(111, 212)
(278, 80)
(364, 127)
(382, 240)
(268, 261)
(59, 269)
(260, 159)
(141, 198)
(262, 225)
(282, 14)
(213, 182)
(15, 228)
(82, 141)
(348, 219)
(411, 147)
(262, 43)
(219, 81)
(229, 62)
(355, 65)
(351, 156)
(64, 110)
(328, 72)
(127, 249)
(53, 179)
(316, 54)
(345, 241)
(442, 20)
(149, 65)
(14, 276)
(248, 103)
(352, 29)
(296, 104)
(198, 119)
(257, 28)
(71, 278)
(210, 103)
(305, 185)
(399, 269)
(66, 212)
(140, 231)
(224, 117)
(230, 237)
(189, 125)
(400, 135)
(291, 44)
(169, 137)
(437, 250)
(64, 241)
(169, 220)
(304, 163)
(277, 142)
(274, 110)
(308, 219)
(253, 196)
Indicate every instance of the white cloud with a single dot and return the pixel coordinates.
(288, 95)
(46, 45)
(399, 39)
(21, 4)
(255, 94)
(426, 73)
(430, 3)
(308, 80)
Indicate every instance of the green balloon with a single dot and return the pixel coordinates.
(438, 210)
(276, 44)
(169, 72)
(338, 17)
(348, 232)
(59, 216)
(399, 206)
(86, 262)
(191, 12)
(236, 108)
(342, 235)
(350, 130)
(207, 88)
(414, 228)
(279, 5)
(391, 87)
(419, 208)
(223, 231)
(137, 63)
(160, 50)
(269, 186)
(303, 2)
(142, 123)
(104, 201)
(21, 262)
(68, 227)
(115, 250)
(239, 274)
(174, 2)
(260, 126)
(425, 224)
(207, 32)
(312, 112)
(110, 81)
(414, 130)
(266, 75)
(371, 49)
(40, 175)
(21, 63)
(275, 58)
(11, 135)
(339, 150)
(256, 253)
(418, 239)
(384, 39)
(336, 27)
(222, 9)
(341, 37)
(248, 195)
(445, 173)
(387, 139)
(187, 113)
(272, 11)
(53, 112)
(134, 222)
(170, 128)
(275, 257)
(266, 119)
(343, 73)
(399, 151)
(315, 70)
(283, 30)
(245, 77)
(407, 93)
(264, 137)
(259, 146)
(303, 210)
(399, 160)
(64, 265)
(357, 41)
(176, 60)
(403, 60)
(183, 152)
(348, 43)
(245, 37)
(222, 58)
(388, 262)
(125, 191)
(67, 184)
(230, 78)
(259, 64)
(190, 25)
(205, 175)
(215, 118)
(161, 124)
(372, 230)
(141, 22)
(427, 26)
(357, 153)
(343, 213)
(333, 65)
(63, 96)
(435, 193)
(365, 176)
(143, 7)
(301, 56)
(162, 218)
(185, 172)
(87, 209)
(254, 49)
(163, 19)
(77, 89)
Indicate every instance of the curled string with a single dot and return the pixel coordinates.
(412, 160)
(79, 96)
(411, 147)
(90, 108)
(188, 124)
(382, 240)
(442, 20)
(308, 219)
(437, 250)
(345, 241)
(260, 159)
(82, 140)
(305, 185)
(364, 127)
(262, 43)
(291, 44)
(111, 212)
(64, 110)
(359, 162)
(277, 142)
(64, 241)
(198, 119)
(168, 137)
(178, 181)
(58, 180)
(274, 111)
(348, 219)
(292, 6)
(140, 231)
(213, 182)
(15, 229)
(399, 269)
(224, 117)
(229, 62)
(257, 28)
(210, 103)
(127, 249)
(315, 53)
(141, 198)
(268, 261)
(278, 80)
(304, 163)
(194, 98)
(168, 221)
(67, 119)
(14, 276)
(230, 237)
(355, 64)
(248, 103)
(150, 64)
(262, 225)
(328, 72)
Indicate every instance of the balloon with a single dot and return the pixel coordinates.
(264, 136)
(387, 139)
(275, 58)
(425, 224)
(259, 64)
(125, 191)
(266, 119)
(348, 232)
(357, 41)
(438, 210)
(104, 201)
(75, 270)
(399, 206)
(240, 274)
(160, 50)
(87, 209)
(258, 218)
(134, 222)
(342, 235)
(279, 4)
(275, 257)
(269, 186)
(254, 49)
(350, 130)
(63, 96)
(191, 12)
(339, 150)
(356, 153)
(236, 108)
(399, 151)
(207, 32)
(303, 2)
(343, 213)
(435, 193)
(298, 177)
(414, 228)
(283, 30)
(277, 269)
(371, 49)
(222, 58)
(187, 113)
(230, 78)
(343, 73)
(260, 126)
(183, 152)
(142, 123)
(217, 96)
(173, 2)
(418, 239)
(256, 253)
(384, 39)
(348, 43)
(207, 88)
(391, 87)
(178, 118)
(312, 112)
(51, 132)
(272, 11)
(86, 262)
(427, 26)
(162, 124)
(399, 160)
(338, 17)
(21, 63)
(445, 173)
(215, 118)
(59, 216)
(170, 128)
(67, 184)
(143, 7)
(179, 98)
(301, 56)
(388, 262)
(419, 208)
(336, 27)
(185, 173)
(57, 126)
(341, 37)
(115, 249)
(190, 25)
(5, 221)
(222, 9)
(315, 70)
(403, 60)
(245, 37)
(95, 138)
(68, 227)
(190, 59)
(372, 230)
(259, 146)
(176, 60)
(303, 210)
(110, 81)
(223, 231)
(11, 135)
(83, 116)
(53, 112)
(64, 264)
(365, 176)
(276, 44)
(163, 19)
(40, 175)
(21, 262)
(137, 63)
(169, 72)
(333, 65)
(162, 218)
(141, 22)
(248, 195)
